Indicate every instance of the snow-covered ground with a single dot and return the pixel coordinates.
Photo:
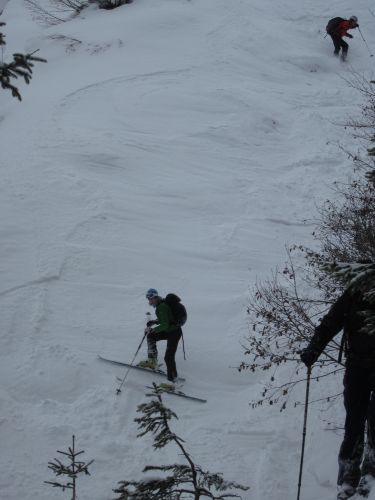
(173, 144)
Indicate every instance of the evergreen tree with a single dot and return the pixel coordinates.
(180, 481)
(72, 470)
(21, 66)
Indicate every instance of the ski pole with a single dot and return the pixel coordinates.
(363, 38)
(118, 391)
(304, 430)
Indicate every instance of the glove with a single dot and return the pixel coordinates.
(308, 356)
(349, 35)
(151, 322)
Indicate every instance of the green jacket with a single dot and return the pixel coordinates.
(164, 318)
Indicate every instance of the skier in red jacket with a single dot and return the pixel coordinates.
(337, 28)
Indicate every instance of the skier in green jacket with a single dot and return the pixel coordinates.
(165, 329)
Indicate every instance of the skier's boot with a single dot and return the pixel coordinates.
(151, 363)
(365, 484)
(343, 56)
(345, 491)
(167, 387)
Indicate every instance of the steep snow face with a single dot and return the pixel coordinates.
(180, 145)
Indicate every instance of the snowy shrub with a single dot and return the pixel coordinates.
(364, 127)
(58, 11)
(347, 226)
(282, 321)
(179, 481)
(285, 309)
(111, 4)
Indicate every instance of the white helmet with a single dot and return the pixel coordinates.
(354, 18)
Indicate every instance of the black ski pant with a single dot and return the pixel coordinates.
(339, 43)
(359, 402)
(172, 339)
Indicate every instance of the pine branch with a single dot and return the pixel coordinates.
(180, 479)
(21, 66)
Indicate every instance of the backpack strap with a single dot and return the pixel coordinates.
(183, 345)
(342, 348)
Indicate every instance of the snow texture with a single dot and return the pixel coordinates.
(176, 144)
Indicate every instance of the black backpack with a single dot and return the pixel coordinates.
(177, 308)
(333, 24)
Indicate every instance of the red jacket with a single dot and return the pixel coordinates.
(343, 27)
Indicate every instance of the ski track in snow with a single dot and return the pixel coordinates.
(180, 145)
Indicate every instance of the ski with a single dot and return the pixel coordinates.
(179, 382)
(180, 394)
(157, 371)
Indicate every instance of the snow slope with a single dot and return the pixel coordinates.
(180, 145)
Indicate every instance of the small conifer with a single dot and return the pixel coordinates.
(71, 471)
(178, 480)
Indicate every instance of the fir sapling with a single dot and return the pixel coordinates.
(71, 471)
(177, 481)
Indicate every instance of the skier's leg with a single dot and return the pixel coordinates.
(345, 491)
(170, 353)
(356, 399)
(368, 465)
(345, 48)
(152, 350)
(336, 42)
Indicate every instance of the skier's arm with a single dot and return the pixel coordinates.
(342, 29)
(152, 322)
(353, 27)
(331, 324)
